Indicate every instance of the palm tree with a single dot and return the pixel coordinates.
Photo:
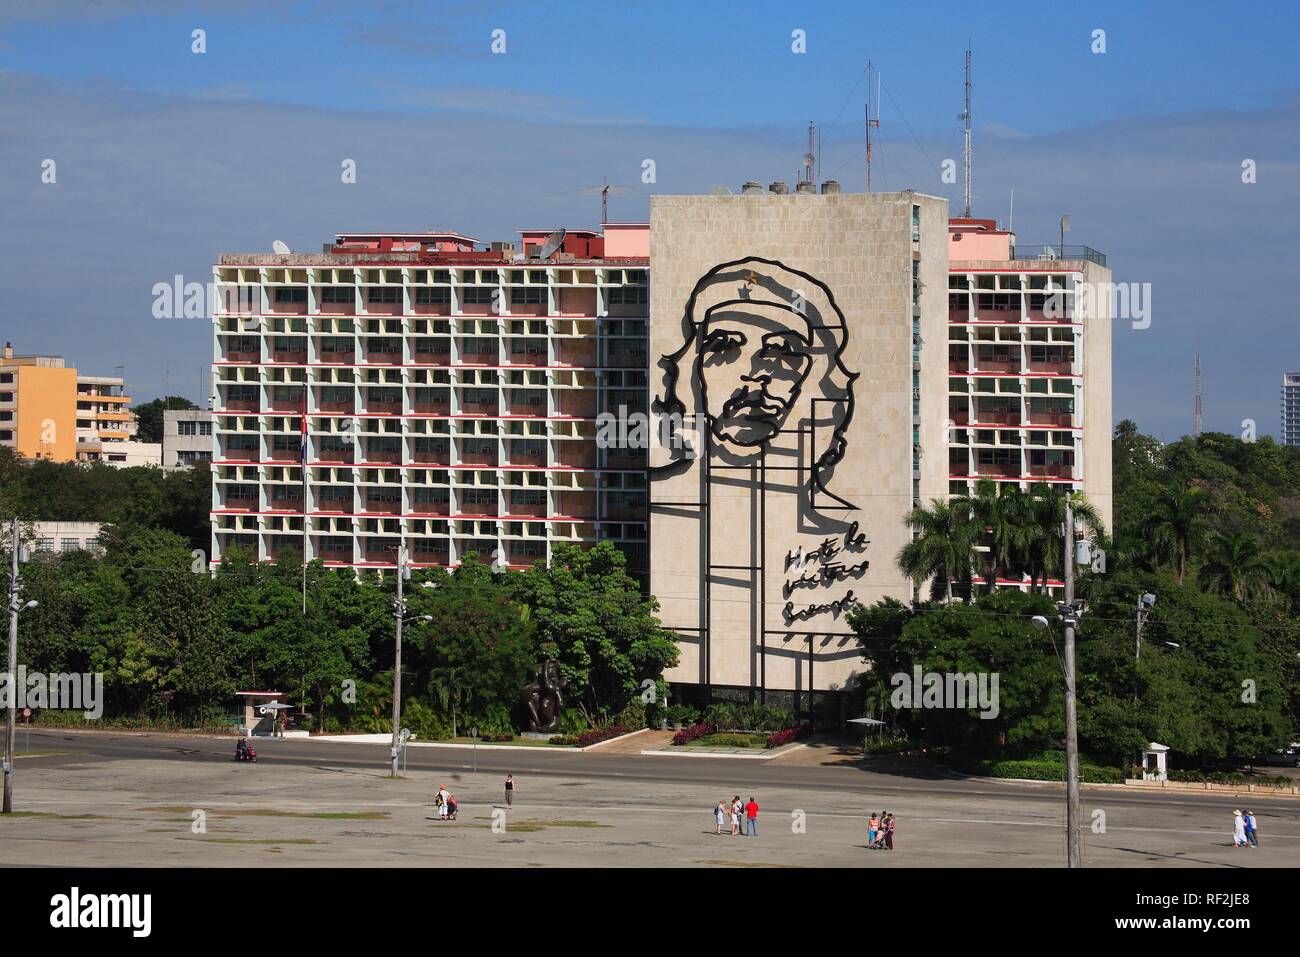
(1235, 566)
(942, 546)
(1177, 525)
(1045, 544)
(999, 511)
(448, 686)
(1283, 577)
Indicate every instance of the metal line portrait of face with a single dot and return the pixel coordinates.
(767, 343)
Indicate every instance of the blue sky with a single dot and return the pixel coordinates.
(167, 158)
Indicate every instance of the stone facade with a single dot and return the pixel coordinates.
(789, 321)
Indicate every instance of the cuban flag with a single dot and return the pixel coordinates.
(302, 444)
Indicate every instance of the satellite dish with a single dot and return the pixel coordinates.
(719, 191)
(280, 248)
(553, 243)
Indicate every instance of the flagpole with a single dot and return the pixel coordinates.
(302, 459)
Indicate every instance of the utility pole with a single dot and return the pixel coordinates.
(1069, 618)
(11, 687)
(399, 613)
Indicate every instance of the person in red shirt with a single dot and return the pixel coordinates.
(751, 818)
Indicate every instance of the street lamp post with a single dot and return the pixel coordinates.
(400, 619)
(11, 686)
(1069, 619)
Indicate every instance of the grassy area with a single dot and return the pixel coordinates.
(730, 739)
(516, 742)
(271, 812)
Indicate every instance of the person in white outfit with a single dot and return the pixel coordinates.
(1238, 830)
(443, 795)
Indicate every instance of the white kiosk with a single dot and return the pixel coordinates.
(1153, 763)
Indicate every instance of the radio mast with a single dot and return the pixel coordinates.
(1199, 419)
(965, 118)
(872, 107)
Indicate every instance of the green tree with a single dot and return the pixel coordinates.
(1177, 525)
(1234, 566)
(591, 618)
(942, 547)
(149, 416)
(476, 654)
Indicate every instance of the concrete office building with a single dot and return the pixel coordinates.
(187, 438)
(440, 398)
(1029, 366)
(853, 355)
(1291, 409)
(807, 329)
(786, 373)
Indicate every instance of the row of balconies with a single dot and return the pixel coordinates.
(1011, 463)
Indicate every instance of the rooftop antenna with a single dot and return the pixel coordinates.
(1199, 419)
(809, 158)
(604, 189)
(965, 118)
(873, 107)
(279, 248)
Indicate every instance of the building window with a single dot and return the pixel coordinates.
(529, 296)
(476, 295)
(628, 296)
(383, 294)
(433, 297)
(291, 294)
(205, 428)
(186, 428)
(338, 294)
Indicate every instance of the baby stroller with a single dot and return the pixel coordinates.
(451, 808)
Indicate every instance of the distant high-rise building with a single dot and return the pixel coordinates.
(1291, 409)
(50, 411)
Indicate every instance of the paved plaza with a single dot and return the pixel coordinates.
(186, 804)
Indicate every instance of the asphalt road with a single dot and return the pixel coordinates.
(877, 777)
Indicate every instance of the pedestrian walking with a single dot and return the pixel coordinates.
(441, 801)
(1238, 829)
(873, 830)
(889, 832)
(510, 790)
(751, 818)
(1252, 828)
(451, 807)
(735, 815)
(719, 816)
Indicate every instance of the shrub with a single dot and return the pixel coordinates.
(778, 738)
(633, 715)
(495, 736)
(889, 745)
(1045, 766)
(698, 730)
(564, 739)
(572, 722)
(733, 739)
(596, 735)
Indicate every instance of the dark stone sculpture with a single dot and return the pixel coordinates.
(543, 699)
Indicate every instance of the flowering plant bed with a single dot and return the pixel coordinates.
(597, 735)
(780, 738)
(689, 734)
